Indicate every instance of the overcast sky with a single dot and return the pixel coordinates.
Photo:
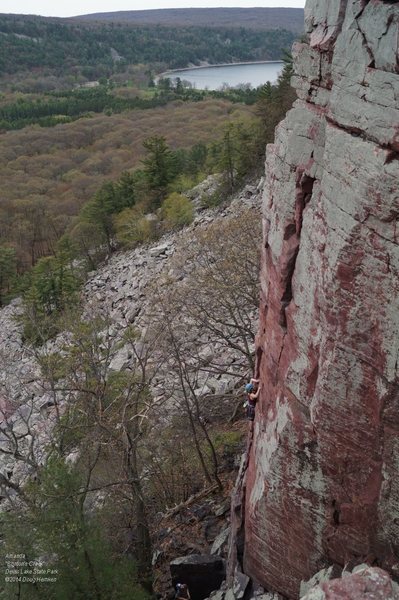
(64, 8)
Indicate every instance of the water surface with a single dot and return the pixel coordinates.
(218, 76)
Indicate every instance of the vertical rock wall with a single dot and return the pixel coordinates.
(322, 482)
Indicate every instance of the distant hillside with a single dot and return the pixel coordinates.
(93, 49)
(250, 18)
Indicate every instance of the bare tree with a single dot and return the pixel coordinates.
(208, 304)
(98, 413)
(221, 293)
(109, 418)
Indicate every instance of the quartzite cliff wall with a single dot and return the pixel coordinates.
(322, 481)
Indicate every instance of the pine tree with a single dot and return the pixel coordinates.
(158, 168)
(7, 270)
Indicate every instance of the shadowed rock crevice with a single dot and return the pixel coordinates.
(336, 513)
(303, 197)
(238, 502)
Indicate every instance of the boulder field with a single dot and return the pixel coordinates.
(119, 290)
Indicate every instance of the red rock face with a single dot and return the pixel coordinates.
(322, 480)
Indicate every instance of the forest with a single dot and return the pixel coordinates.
(48, 174)
(73, 142)
(98, 50)
(83, 185)
(52, 108)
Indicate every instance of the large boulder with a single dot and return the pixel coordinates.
(202, 573)
(366, 583)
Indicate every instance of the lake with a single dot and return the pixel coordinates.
(216, 76)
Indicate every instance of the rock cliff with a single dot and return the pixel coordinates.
(321, 483)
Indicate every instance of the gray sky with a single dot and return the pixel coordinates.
(49, 8)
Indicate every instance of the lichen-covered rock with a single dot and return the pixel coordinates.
(326, 574)
(363, 584)
(321, 485)
(220, 542)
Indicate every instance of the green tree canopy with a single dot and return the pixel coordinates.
(57, 529)
(177, 211)
(159, 167)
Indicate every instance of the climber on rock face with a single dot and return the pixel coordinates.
(252, 397)
(182, 592)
